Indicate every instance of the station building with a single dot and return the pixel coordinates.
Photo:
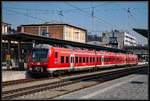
(123, 39)
(56, 31)
(5, 27)
(18, 51)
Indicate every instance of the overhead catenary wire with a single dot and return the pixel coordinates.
(130, 14)
(26, 15)
(98, 18)
(57, 11)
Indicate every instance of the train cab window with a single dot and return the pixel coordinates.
(87, 59)
(62, 59)
(76, 59)
(80, 59)
(67, 59)
(56, 54)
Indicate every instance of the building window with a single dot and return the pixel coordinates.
(77, 35)
(43, 31)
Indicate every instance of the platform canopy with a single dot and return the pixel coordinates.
(28, 37)
(143, 32)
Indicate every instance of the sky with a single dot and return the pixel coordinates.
(96, 17)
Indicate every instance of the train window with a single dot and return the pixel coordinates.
(83, 59)
(67, 59)
(93, 59)
(100, 59)
(62, 59)
(97, 59)
(76, 59)
(90, 59)
(73, 59)
(80, 59)
(56, 54)
(106, 59)
(87, 59)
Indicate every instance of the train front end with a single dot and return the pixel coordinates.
(38, 61)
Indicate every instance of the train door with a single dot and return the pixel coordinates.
(72, 61)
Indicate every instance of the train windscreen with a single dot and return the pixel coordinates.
(39, 54)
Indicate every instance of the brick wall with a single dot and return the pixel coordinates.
(56, 31)
(62, 32)
(31, 29)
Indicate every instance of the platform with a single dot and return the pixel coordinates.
(134, 87)
(8, 75)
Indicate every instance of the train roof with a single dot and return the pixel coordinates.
(47, 46)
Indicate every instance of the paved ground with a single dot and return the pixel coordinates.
(134, 86)
(12, 75)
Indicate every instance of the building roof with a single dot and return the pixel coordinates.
(5, 23)
(46, 40)
(143, 32)
(49, 24)
(136, 47)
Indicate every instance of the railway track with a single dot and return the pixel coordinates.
(64, 82)
(14, 82)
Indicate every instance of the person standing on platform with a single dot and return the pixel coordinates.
(8, 60)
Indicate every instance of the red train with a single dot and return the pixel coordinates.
(48, 59)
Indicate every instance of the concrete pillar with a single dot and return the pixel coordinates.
(8, 57)
(19, 51)
(21, 64)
